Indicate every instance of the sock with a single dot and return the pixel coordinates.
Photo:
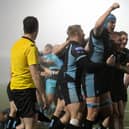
(102, 127)
(14, 124)
(56, 123)
(9, 122)
(87, 124)
(70, 126)
(74, 122)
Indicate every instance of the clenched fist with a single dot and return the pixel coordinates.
(115, 6)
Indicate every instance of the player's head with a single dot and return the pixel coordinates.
(124, 39)
(115, 38)
(48, 49)
(110, 22)
(30, 25)
(75, 31)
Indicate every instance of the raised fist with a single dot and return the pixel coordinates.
(115, 6)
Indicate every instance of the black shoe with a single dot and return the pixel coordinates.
(42, 117)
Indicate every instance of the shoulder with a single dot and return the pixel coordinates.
(99, 37)
(126, 50)
(31, 44)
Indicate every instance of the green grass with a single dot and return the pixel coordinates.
(4, 103)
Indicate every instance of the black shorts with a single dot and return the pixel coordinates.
(118, 92)
(97, 83)
(25, 101)
(69, 92)
(9, 92)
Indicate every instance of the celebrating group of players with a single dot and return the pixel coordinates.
(86, 79)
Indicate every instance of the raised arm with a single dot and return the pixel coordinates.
(60, 47)
(100, 22)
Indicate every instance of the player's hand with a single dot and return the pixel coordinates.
(115, 6)
(111, 60)
(44, 99)
(46, 73)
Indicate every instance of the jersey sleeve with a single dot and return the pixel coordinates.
(32, 55)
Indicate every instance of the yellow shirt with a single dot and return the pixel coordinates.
(23, 54)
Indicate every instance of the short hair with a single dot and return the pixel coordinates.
(123, 33)
(73, 29)
(30, 24)
(114, 34)
(49, 46)
(109, 18)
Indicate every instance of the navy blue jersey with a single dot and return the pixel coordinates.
(72, 73)
(125, 56)
(101, 47)
(75, 61)
(118, 90)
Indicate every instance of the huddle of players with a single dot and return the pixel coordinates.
(90, 84)
(98, 71)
